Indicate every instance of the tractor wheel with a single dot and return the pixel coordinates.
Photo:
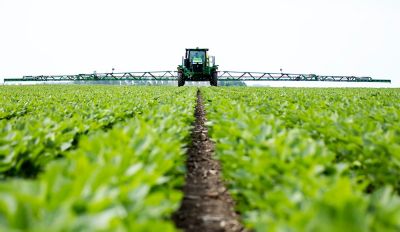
(181, 79)
(214, 79)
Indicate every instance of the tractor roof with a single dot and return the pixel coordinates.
(197, 49)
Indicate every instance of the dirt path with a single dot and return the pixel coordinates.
(206, 206)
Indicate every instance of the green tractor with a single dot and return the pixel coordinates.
(197, 66)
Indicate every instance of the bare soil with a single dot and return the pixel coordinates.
(206, 206)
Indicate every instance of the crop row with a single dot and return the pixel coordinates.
(56, 117)
(309, 159)
(124, 179)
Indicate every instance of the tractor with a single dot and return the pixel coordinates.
(197, 66)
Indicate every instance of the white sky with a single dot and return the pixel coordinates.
(341, 37)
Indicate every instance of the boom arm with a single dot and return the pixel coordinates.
(173, 75)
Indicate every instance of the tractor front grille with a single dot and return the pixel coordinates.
(197, 67)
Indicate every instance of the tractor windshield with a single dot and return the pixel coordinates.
(197, 56)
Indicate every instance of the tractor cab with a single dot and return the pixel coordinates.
(195, 59)
(197, 56)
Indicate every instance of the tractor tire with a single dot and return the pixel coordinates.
(214, 79)
(181, 79)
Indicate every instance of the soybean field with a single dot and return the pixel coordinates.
(160, 158)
